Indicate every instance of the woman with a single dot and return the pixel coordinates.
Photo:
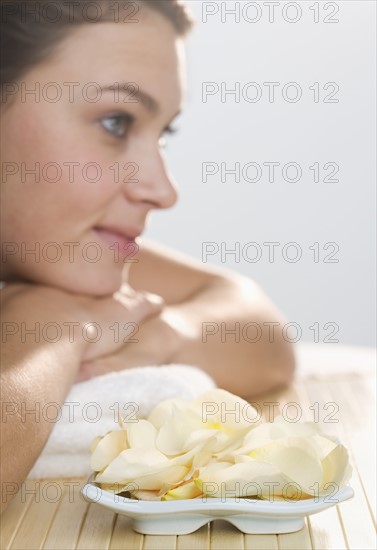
(88, 90)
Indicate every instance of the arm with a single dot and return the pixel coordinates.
(204, 304)
(234, 333)
(35, 371)
(32, 375)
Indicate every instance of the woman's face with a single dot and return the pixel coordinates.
(82, 173)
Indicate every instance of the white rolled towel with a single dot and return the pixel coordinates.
(91, 409)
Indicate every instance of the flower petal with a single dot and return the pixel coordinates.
(176, 430)
(245, 479)
(224, 410)
(163, 410)
(183, 492)
(130, 464)
(296, 458)
(278, 429)
(107, 449)
(141, 435)
(336, 470)
(160, 476)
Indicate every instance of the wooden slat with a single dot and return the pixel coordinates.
(160, 542)
(124, 536)
(195, 541)
(357, 525)
(365, 463)
(71, 523)
(359, 438)
(295, 541)
(224, 536)
(65, 528)
(33, 530)
(12, 517)
(326, 531)
(354, 514)
(261, 542)
(97, 528)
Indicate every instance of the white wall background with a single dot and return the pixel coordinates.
(304, 132)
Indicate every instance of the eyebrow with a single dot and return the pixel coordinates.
(133, 91)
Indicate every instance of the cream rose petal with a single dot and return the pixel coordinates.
(189, 457)
(214, 445)
(220, 407)
(295, 458)
(107, 449)
(163, 410)
(198, 437)
(130, 464)
(176, 430)
(323, 444)
(160, 476)
(224, 480)
(141, 435)
(186, 491)
(95, 442)
(199, 456)
(336, 470)
(271, 431)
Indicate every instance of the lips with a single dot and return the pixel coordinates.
(122, 243)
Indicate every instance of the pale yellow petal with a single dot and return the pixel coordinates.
(160, 476)
(295, 458)
(161, 412)
(263, 434)
(336, 469)
(107, 449)
(323, 444)
(130, 464)
(200, 436)
(240, 480)
(141, 435)
(219, 406)
(95, 442)
(183, 492)
(176, 430)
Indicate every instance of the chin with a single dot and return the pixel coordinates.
(98, 285)
(88, 279)
(97, 281)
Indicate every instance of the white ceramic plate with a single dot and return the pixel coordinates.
(181, 517)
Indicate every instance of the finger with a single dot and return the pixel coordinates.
(139, 304)
(148, 305)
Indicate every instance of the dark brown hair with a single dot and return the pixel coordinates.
(31, 30)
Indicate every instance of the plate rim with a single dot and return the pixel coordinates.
(242, 506)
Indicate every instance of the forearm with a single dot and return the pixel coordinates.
(228, 328)
(232, 331)
(33, 374)
(205, 303)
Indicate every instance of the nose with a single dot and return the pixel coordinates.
(151, 182)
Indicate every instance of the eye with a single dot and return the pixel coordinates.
(169, 130)
(117, 125)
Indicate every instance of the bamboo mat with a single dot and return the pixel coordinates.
(51, 514)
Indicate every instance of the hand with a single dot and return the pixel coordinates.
(92, 320)
(157, 341)
(117, 318)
